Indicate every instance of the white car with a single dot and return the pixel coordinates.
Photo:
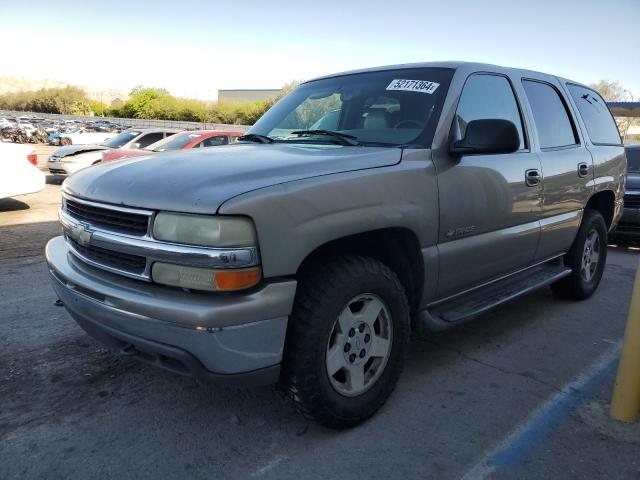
(20, 173)
(69, 159)
(82, 136)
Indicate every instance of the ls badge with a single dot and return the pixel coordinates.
(458, 232)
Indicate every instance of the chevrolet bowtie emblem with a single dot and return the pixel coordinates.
(81, 234)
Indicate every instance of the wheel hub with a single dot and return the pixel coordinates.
(357, 343)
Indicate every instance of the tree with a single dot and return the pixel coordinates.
(142, 100)
(67, 100)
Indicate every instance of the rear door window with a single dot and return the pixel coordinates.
(487, 97)
(597, 118)
(550, 115)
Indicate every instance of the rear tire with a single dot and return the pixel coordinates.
(351, 318)
(586, 259)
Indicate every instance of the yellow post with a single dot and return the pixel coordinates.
(625, 405)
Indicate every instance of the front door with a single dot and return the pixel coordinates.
(489, 210)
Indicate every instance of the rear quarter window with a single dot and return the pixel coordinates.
(597, 118)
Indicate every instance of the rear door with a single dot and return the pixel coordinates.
(488, 211)
(567, 167)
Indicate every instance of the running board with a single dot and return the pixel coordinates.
(465, 307)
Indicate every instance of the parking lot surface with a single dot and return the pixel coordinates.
(520, 393)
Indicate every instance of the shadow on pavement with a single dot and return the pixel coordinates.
(12, 205)
(55, 179)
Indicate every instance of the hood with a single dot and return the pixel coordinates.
(75, 149)
(200, 180)
(633, 181)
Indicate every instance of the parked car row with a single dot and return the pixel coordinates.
(135, 142)
(56, 132)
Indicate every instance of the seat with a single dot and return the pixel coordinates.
(376, 118)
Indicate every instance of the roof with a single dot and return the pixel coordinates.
(453, 65)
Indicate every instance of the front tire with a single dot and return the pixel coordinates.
(347, 340)
(586, 258)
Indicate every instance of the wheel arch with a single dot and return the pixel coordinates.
(397, 247)
(603, 202)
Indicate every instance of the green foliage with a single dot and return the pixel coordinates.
(68, 100)
(143, 102)
(157, 103)
(100, 109)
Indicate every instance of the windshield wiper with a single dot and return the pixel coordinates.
(255, 137)
(343, 138)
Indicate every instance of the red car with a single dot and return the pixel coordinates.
(179, 141)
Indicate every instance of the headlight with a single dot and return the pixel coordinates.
(204, 230)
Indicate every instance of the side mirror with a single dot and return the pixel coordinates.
(487, 136)
(135, 145)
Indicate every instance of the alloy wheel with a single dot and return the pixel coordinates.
(359, 345)
(590, 255)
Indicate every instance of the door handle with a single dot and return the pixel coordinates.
(532, 177)
(583, 169)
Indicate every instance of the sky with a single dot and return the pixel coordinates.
(195, 48)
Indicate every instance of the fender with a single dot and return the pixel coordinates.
(293, 219)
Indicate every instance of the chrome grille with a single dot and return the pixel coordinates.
(118, 240)
(124, 262)
(111, 219)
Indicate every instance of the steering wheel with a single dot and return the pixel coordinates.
(409, 122)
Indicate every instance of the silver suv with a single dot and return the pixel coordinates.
(361, 207)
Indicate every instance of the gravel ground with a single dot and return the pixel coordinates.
(71, 409)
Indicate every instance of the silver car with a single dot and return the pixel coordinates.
(361, 207)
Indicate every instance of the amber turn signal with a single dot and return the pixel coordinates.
(237, 279)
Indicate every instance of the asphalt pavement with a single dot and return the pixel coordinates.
(522, 392)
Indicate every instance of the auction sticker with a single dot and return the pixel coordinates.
(420, 86)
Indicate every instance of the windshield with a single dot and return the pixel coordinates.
(387, 108)
(633, 160)
(174, 142)
(121, 139)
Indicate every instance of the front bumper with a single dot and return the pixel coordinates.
(226, 338)
(63, 168)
